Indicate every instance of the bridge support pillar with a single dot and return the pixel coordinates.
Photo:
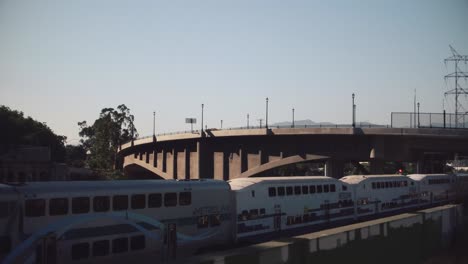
(334, 168)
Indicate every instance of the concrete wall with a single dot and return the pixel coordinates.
(405, 238)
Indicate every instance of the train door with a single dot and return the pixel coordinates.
(46, 250)
(171, 241)
(326, 205)
(376, 209)
(277, 218)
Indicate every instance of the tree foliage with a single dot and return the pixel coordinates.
(102, 139)
(19, 130)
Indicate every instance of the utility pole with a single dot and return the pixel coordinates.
(221, 124)
(266, 119)
(292, 118)
(458, 90)
(247, 121)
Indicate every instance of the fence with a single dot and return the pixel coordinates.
(428, 120)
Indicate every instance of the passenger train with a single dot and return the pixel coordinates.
(159, 221)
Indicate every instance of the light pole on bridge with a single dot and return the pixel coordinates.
(154, 122)
(266, 117)
(292, 118)
(201, 130)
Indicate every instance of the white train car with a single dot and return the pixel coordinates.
(270, 206)
(195, 214)
(8, 207)
(382, 194)
(435, 188)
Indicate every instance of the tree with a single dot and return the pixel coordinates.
(102, 139)
(18, 130)
(75, 156)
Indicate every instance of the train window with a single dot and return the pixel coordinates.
(101, 248)
(58, 206)
(137, 242)
(319, 188)
(120, 202)
(185, 198)
(272, 191)
(215, 220)
(138, 201)
(412, 183)
(405, 183)
(120, 245)
(80, 205)
(344, 187)
(4, 210)
(262, 211)
(289, 190)
(202, 221)
(332, 188)
(280, 191)
(305, 189)
(326, 188)
(35, 207)
(154, 200)
(101, 203)
(312, 189)
(253, 213)
(253, 193)
(80, 251)
(297, 190)
(170, 199)
(373, 185)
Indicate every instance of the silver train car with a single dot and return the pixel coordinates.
(115, 221)
(159, 221)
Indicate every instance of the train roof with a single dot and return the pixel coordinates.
(419, 177)
(83, 186)
(356, 179)
(242, 183)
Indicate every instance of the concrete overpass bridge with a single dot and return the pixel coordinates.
(229, 154)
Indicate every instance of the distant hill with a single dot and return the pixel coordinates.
(311, 123)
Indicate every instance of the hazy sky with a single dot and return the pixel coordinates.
(63, 61)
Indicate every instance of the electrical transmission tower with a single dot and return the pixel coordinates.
(458, 74)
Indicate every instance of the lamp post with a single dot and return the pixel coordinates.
(221, 124)
(201, 131)
(247, 121)
(354, 113)
(292, 118)
(418, 116)
(266, 117)
(154, 122)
